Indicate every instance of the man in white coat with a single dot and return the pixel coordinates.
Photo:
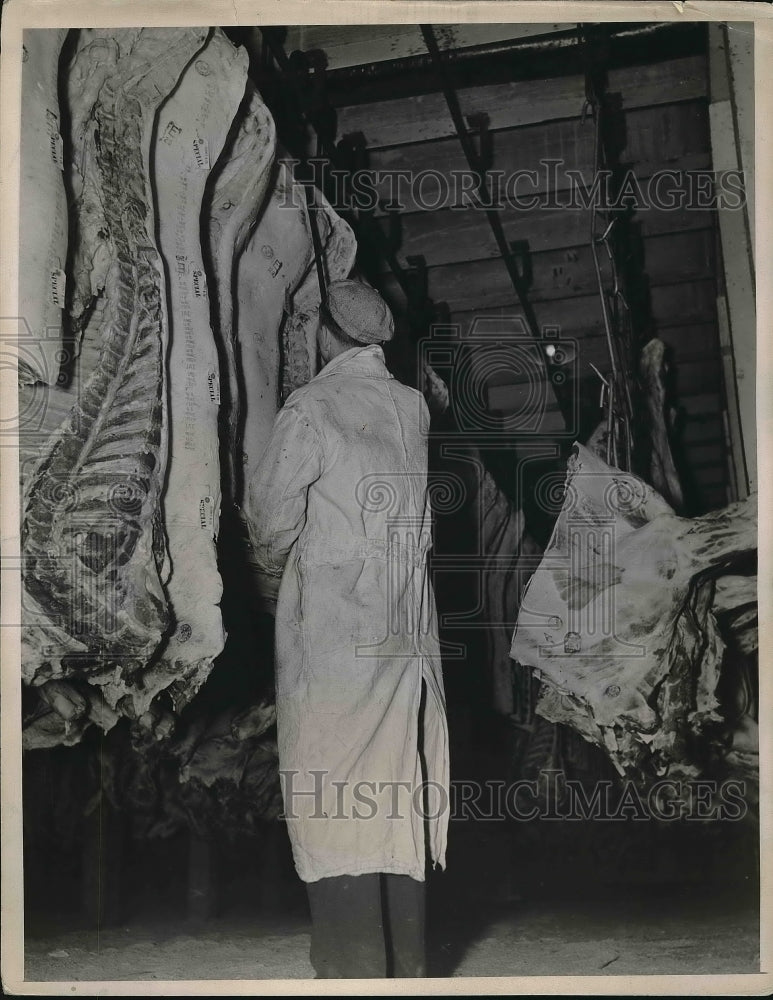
(340, 523)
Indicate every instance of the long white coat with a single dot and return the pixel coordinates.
(340, 524)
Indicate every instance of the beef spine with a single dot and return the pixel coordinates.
(191, 132)
(43, 246)
(92, 534)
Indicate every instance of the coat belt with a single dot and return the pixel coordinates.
(324, 551)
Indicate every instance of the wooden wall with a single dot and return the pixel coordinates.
(662, 123)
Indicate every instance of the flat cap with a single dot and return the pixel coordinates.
(360, 311)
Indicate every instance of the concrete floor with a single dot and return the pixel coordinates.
(673, 934)
(487, 916)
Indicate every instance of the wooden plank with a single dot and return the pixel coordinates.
(714, 500)
(589, 350)
(682, 305)
(593, 350)
(357, 44)
(450, 237)
(564, 273)
(708, 477)
(434, 188)
(705, 454)
(690, 342)
(695, 366)
(708, 430)
(524, 102)
(651, 135)
(702, 405)
(670, 137)
(693, 376)
(672, 307)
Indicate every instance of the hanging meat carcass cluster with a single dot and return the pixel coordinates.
(190, 304)
(619, 621)
(219, 777)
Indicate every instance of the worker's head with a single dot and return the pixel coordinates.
(353, 316)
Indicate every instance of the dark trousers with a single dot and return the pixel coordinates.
(367, 927)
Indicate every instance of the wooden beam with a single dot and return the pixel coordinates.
(739, 40)
(358, 44)
(738, 266)
(736, 452)
(525, 102)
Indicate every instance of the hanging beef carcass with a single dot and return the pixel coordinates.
(339, 249)
(617, 620)
(221, 773)
(107, 629)
(92, 537)
(507, 552)
(662, 471)
(276, 256)
(42, 248)
(233, 205)
(192, 129)
(278, 300)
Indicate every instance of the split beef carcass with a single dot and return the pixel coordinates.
(92, 536)
(120, 462)
(617, 621)
(663, 474)
(278, 300)
(191, 132)
(234, 202)
(276, 256)
(42, 248)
